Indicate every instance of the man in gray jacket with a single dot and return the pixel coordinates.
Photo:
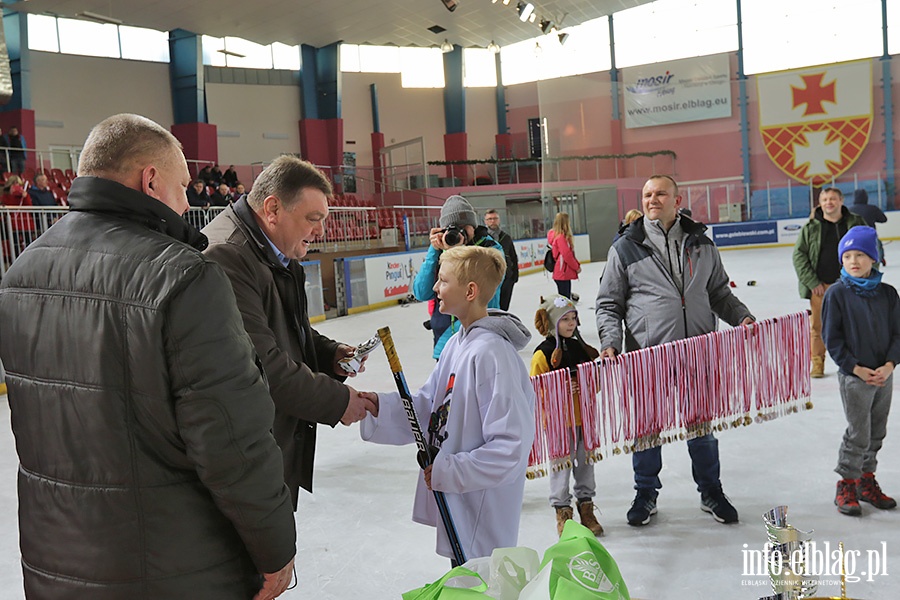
(664, 281)
(147, 467)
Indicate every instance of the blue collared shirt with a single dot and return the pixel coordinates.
(284, 260)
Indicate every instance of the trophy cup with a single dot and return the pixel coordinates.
(787, 563)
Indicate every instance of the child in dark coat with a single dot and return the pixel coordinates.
(861, 329)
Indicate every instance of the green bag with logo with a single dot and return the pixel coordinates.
(578, 567)
(440, 591)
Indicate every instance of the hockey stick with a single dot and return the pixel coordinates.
(425, 451)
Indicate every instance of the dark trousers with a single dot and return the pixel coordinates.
(704, 453)
(506, 289)
(564, 288)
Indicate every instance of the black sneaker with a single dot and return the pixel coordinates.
(716, 503)
(643, 507)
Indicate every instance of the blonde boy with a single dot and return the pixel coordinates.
(477, 408)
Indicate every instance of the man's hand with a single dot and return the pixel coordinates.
(358, 406)
(371, 402)
(274, 584)
(748, 321)
(343, 351)
(819, 290)
(608, 352)
(436, 237)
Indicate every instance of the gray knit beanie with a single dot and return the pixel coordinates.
(457, 211)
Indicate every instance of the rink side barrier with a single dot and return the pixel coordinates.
(780, 233)
(381, 280)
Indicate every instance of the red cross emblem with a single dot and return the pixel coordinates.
(813, 95)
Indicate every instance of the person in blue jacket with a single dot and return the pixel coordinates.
(458, 226)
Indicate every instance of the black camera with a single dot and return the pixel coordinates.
(453, 236)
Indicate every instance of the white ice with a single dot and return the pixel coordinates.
(356, 539)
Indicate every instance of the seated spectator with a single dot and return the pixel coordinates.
(40, 192)
(205, 174)
(14, 194)
(215, 175)
(230, 177)
(222, 196)
(196, 194)
(238, 191)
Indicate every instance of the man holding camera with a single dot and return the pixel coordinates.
(458, 226)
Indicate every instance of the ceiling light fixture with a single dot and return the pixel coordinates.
(98, 17)
(446, 46)
(450, 4)
(546, 24)
(562, 38)
(493, 47)
(532, 17)
(505, 2)
(526, 9)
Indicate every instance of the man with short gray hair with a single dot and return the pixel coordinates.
(142, 422)
(259, 241)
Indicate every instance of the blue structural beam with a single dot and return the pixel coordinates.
(886, 82)
(502, 127)
(328, 81)
(308, 80)
(320, 81)
(454, 92)
(613, 71)
(15, 26)
(742, 100)
(186, 75)
(376, 120)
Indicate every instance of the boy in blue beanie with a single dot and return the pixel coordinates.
(861, 328)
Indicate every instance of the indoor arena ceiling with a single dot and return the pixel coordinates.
(318, 23)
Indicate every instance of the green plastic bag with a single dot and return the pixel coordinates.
(578, 567)
(439, 589)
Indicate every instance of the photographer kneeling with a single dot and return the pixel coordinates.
(458, 226)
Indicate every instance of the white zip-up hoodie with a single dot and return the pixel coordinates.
(480, 402)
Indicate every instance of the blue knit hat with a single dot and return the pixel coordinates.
(861, 238)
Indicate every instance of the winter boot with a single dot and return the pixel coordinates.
(869, 491)
(845, 498)
(818, 367)
(563, 514)
(586, 513)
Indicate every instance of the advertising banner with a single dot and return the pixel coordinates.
(816, 122)
(678, 91)
(752, 232)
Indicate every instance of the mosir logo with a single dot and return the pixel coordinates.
(645, 85)
(585, 570)
(816, 122)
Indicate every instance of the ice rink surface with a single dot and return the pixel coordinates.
(356, 538)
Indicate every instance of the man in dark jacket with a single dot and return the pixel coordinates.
(492, 222)
(142, 421)
(258, 241)
(872, 214)
(664, 281)
(816, 263)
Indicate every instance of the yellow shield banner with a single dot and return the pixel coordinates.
(816, 122)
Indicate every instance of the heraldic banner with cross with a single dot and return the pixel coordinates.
(816, 122)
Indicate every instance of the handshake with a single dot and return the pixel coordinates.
(360, 403)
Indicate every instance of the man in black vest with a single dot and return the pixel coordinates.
(492, 222)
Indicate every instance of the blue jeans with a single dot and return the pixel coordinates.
(704, 453)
